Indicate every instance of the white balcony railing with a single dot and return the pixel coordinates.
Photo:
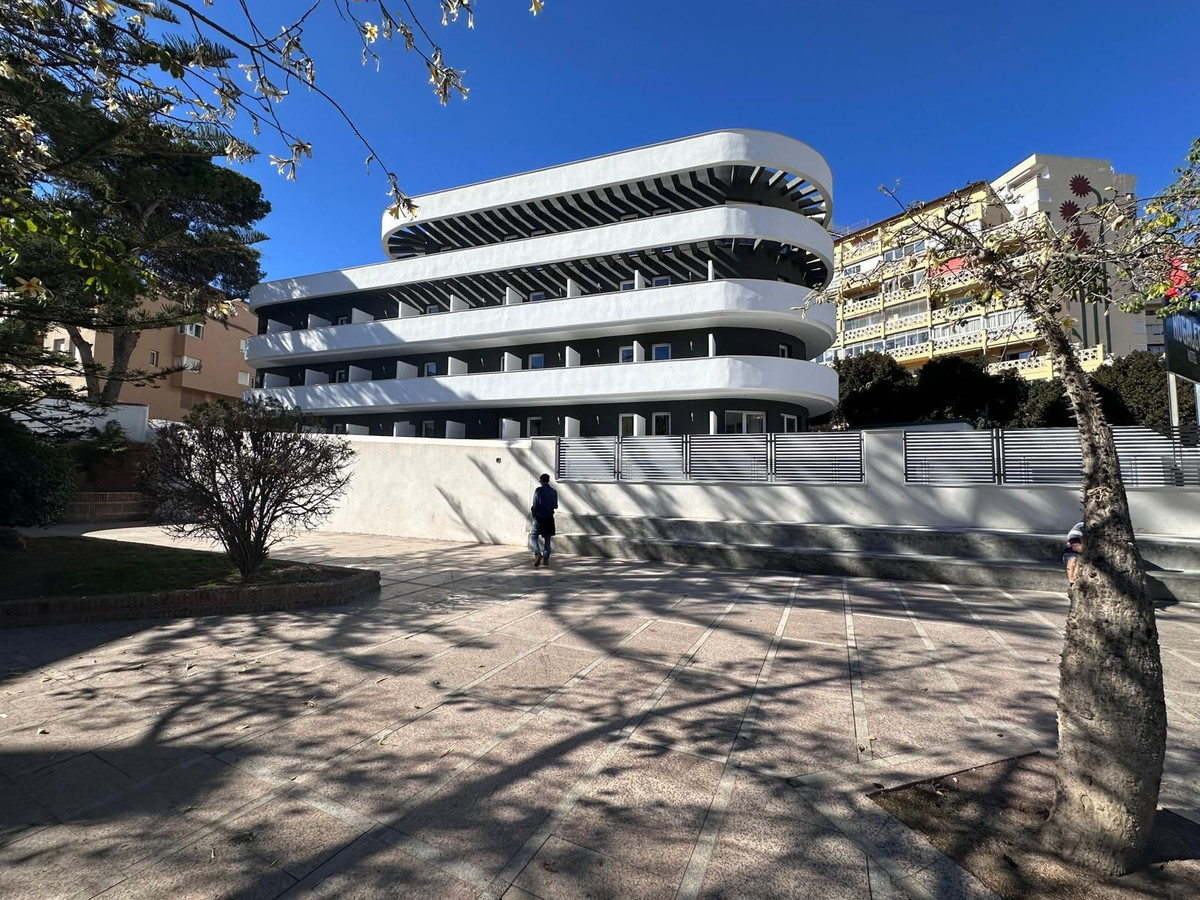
(701, 304)
(708, 377)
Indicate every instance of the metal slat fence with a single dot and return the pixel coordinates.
(949, 457)
(1049, 456)
(812, 458)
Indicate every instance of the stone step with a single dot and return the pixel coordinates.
(1017, 574)
(1159, 551)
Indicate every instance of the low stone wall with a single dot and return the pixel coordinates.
(190, 602)
(105, 506)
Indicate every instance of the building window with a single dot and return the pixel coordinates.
(626, 354)
(905, 282)
(533, 426)
(340, 375)
(188, 362)
(628, 426)
(628, 285)
(242, 345)
(660, 423)
(427, 428)
(852, 270)
(785, 351)
(536, 296)
(910, 249)
(429, 369)
(855, 322)
(537, 360)
(339, 428)
(661, 280)
(904, 310)
(906, 339)
(791, 424)
(245, 379)
(195, 330)
(60, 345)
(432, 309)
(342, 320)
(738, 421)
(154, 357)
(660, 351)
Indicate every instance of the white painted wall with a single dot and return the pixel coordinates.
(448, 490)
(481, 490)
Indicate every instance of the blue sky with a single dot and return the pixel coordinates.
(933, 93)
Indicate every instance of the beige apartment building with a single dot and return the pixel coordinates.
(885, 303)
(212, 352)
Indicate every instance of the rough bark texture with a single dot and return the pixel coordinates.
(124, 341)
(1112, 718)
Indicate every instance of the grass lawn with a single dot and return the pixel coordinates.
(65, 566)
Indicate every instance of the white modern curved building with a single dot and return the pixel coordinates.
(645, 292)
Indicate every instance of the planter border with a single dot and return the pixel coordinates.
(189, 602)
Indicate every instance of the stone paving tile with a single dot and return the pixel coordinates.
(121, 796)
(72, 783)
(289, 834)
(465, 663)
(379, 779)
(52, 862)
(156, 815)
(369, 869)
(663, 641)
(802, 729)
(565, 870)
(203, 870)
(493, 808)
(645, 808)
(532, 678)
(612, 691)
(305, 742)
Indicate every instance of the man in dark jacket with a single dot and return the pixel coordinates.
(545, 502)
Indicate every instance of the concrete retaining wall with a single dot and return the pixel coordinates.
(481, 490)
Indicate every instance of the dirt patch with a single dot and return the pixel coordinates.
(987, 818)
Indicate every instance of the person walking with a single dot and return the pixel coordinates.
(545, 502)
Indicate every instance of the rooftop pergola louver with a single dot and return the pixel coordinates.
(662, 195)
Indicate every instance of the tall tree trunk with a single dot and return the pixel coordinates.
(124, 341)
(91, 369)
(1112, 720)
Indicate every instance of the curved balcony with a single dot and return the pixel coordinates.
(700, 304)
(634, 182)
(712, 224)
(706, 378)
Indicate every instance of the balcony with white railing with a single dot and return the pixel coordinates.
(968, 340)
(904, 323)
(913, 351)
(702, 304)
(850, 307)
(861, 250)
(1035, 368)
(709, 378)
(864, 333)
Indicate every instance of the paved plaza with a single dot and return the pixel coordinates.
(482, 729)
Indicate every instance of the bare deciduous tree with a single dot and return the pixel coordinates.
(246, 475)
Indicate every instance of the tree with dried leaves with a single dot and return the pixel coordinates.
(83, 83)
(246, 475)
(181, 64)
(1111, 708)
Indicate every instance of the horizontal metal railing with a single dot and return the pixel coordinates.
(806, 458)
(1150, 457)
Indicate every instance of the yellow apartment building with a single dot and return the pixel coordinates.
(884, 294)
